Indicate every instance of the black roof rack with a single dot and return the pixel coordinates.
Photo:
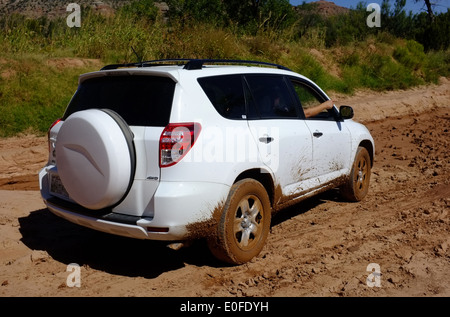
(192, 64)
(147, 63)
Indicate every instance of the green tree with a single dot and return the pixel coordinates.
(308, 18)
(343, 29)
(435, 35)
(248, 15)
(205, 11)
(277, 13)
(143, 9)
(396, 21)
(429, 9)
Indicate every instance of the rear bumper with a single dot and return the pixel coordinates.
(122, 229)
(176, 207)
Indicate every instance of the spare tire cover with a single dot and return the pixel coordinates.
(95, 158)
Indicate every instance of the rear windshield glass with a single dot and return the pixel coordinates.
(140, 100)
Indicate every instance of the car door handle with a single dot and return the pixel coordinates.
(317, 134)
(266, 139)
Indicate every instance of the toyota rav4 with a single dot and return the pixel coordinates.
(177, 150)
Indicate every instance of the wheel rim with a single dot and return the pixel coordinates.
(361, 175)
(248, 222)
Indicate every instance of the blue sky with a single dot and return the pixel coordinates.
(411, 5)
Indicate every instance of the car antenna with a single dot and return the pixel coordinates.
(138, 57)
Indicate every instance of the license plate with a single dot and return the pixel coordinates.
(57, 187)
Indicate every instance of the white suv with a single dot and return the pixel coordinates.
(177, 150)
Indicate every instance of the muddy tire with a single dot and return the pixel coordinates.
(242, 230)
(357, 185)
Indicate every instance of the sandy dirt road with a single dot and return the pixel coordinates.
(320, 247)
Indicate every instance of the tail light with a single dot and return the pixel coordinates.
(175, 142)
(50, 147)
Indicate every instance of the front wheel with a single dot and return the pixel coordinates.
(357, 185)
(244, 225)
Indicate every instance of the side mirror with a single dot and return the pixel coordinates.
(346, 112)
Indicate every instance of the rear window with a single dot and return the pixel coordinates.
(140, 100)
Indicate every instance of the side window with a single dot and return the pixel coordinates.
(272, 96)
(226, 93)
(309, 98)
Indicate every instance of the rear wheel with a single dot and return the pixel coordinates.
(244, 224)
(357, 186)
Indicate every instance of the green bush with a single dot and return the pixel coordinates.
(412, 56)
(34, 93)
(144, 9)
(437, 65)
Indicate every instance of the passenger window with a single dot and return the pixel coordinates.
(226, 94)
(271, 96)
(309, 98)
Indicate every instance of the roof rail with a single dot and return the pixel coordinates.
(198, 63)
(148, 63)
(192, 64)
